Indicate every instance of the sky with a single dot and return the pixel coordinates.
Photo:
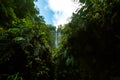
(57, 12)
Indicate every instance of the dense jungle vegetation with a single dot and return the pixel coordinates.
(89, 48)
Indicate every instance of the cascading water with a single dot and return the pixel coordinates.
(56, 39)
(57, 36)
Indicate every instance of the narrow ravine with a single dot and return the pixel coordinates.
(86, 47)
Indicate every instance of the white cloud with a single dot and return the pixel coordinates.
(63, 10)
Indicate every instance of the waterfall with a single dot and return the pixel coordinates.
(56, 39)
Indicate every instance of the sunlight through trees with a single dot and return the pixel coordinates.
(88, 46)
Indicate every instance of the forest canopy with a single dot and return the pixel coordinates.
(25, 41)
(88, 50)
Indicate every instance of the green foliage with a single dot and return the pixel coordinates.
(14, 77)
(89, 47)
(24, 42)
(90, 42)
(50, 35)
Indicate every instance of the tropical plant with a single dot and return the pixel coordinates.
(90, 45)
